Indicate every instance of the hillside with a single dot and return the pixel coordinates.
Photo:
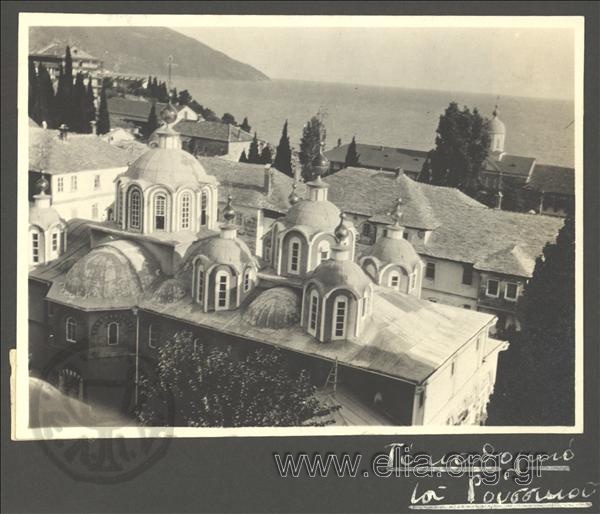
(145, 50)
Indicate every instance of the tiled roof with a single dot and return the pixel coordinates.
(510, 165)
(246, 183)
(214, 130)
(552, 179)
(79, 152)
(463, 229)
(138, 110)
(381, 157)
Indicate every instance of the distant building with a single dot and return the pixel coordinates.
(80, 170)
(53, 57)
(213, 138)
(380, 158)
(555, 188)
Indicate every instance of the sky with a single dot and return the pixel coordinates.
(536, 62)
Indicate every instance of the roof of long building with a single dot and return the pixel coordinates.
(213, 130)
(546, 178)
(381, 157)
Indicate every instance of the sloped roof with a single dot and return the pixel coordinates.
(510, 165)
(214, 130)
(132, 109)
(79, 152)
(384, 157)
(546, 178)
(512, 260)
(246, 183)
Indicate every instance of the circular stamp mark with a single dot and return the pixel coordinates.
(75, 392)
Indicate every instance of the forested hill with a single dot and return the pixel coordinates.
(145, 51)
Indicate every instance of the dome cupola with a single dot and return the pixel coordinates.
(497, 132)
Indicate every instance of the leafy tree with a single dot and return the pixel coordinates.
(283, 154)
(425, 173)
(266, 156)
(462, 145)
(243, 157)
(245, 126)
(32, 98)
(184, 97)
(152, 123)
(103, 125)
(253, 151)
(209, 388)
(79, 107)
(535, 384)
(313, 134)
(90, 107)
(229, 119)
(351, 155)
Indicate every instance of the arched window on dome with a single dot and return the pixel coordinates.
(160, 211)
(135, 209)
(203, 208)
(394, 280)
(340, 311)
(185, 210)
(222, 290)
(313, 312)
(199, 284)
(247, 279)
(294, 256)
(324, 250)
(54, 243)
(70, 330)
(113, 333)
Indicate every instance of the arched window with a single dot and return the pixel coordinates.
(35, 247)
(135, 209)
(204, 208)
(186, 203)
(160, 211)
(246, 280)
(323, 250)
(394, 280)
(54, 241)
(294, 257)
(340, 308)
(70, 330)
(313, 312)
(152, 336)
(113, 333)
(222, 290)
(200, 284)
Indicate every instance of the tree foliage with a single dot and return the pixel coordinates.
(229, 119)
(535, 384)
(253, 151)
(210, 388)
(283, 154)
(90, 107)
(313, 134)
(103, 125)
(243, 157)
(351, 155)
(152, 123)
(462, 145)
(245, 126)
(266, 155)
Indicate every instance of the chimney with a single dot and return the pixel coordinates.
(93, 126)
(499, 196)
(268, 179)
(63, 130)
(399, 172)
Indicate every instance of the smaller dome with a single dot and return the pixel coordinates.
(397, 251)
(274, 308)
(44, 217)
(495, 125)
(332, 274)
(170, 291)
(116, 270)
(218, 250)
(168, 114)
(319, 215)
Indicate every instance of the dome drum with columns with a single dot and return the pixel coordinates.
(392, 261)
(166, 189)
(497, 132)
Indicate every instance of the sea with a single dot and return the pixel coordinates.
(389, 116)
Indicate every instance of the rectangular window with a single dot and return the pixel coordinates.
(430, 271)
(511, 291)
(74, 183)
(295, 258)
(394, 281)
(222, 300)
(95, 211)
(246, 281)
(314, 307)
(467, 277)
(35, 246)
(185, 211)
(96, 181)
(492, 288)
(54, 241)
(467, 306)
(405, 235)
(60, 184)
(340, 318)
(200, 296)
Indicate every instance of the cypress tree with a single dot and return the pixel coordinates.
(78, 107)
(243, 157)
(103, 125)
(535, 384)
(313, 134)
(152, 123)
(253, 152)
(32, 99)
(351, 155)
(245, 126)
(149, 86)
(266, 156)
(283, 154)
(45, 95)
(61, 100)
(90, 107)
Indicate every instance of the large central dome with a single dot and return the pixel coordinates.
(168, 166)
